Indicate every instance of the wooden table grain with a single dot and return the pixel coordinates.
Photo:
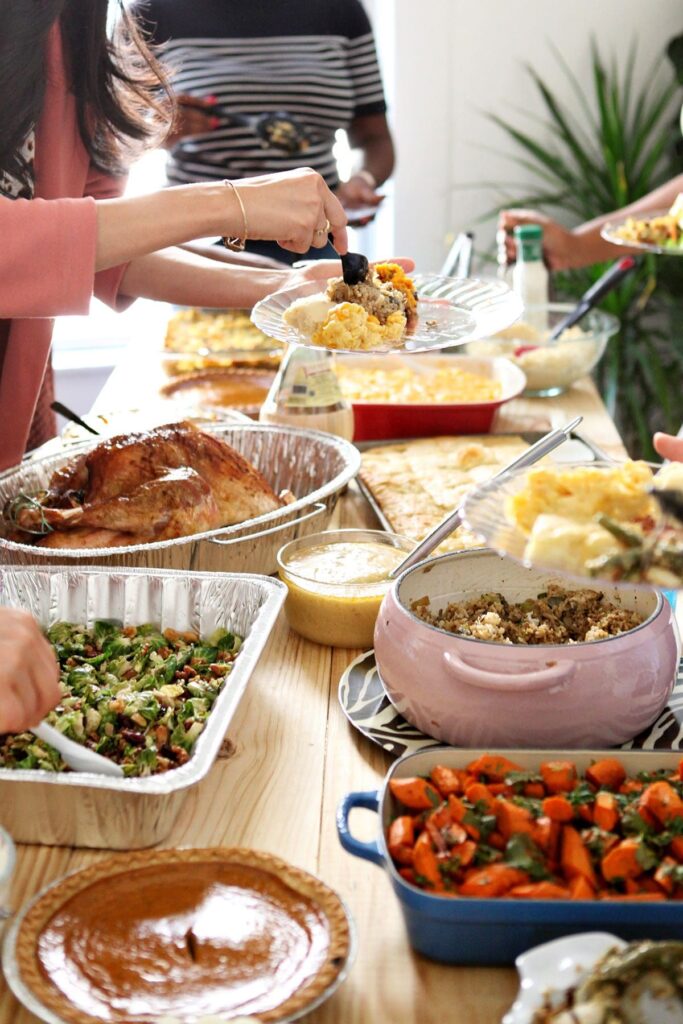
(291, 756)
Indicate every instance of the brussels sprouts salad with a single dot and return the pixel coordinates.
(134, 694)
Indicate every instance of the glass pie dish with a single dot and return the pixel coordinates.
(589, 521)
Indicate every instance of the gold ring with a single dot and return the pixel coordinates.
(327, 227)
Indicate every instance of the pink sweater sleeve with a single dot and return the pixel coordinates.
(47, 254)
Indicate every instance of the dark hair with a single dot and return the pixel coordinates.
(122, 95)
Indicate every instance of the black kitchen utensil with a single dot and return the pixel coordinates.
(609, 280)
(670, 501)
(354, 267)
(69, 414)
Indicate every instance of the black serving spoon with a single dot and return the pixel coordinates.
(670, 501)
(355, 266)
(69, 414)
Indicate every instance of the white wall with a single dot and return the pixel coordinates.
(448, 61)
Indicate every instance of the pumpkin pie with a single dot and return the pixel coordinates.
(183, 935)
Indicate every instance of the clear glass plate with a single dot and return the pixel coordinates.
(609, 233)
(450, 312)
(484, 513)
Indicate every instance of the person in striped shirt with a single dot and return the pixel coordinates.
(240, 67)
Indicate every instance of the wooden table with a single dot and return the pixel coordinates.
(291, 756)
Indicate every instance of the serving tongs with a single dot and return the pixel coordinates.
(75, 755)
(542, 447)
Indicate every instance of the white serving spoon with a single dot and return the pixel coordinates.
(80, 758)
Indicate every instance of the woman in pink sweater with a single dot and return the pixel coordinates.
(74, 108)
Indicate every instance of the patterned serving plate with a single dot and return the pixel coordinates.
(365, 703)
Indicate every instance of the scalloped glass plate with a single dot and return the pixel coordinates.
(450, 312)
(609, 233)
(484, 513)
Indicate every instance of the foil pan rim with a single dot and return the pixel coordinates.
(348, 452)
(202, 759)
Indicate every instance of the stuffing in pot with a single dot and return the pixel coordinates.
(555, 616)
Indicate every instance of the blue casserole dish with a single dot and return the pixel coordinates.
(465, 930)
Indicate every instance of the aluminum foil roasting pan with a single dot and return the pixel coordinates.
(314, 466)
(81, 809)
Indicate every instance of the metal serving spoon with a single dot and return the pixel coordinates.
(80, 758)
(445, 528)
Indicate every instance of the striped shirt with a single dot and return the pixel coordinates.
(313, 59)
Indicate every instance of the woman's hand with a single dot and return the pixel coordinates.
(29, 674)
(191, 118)
(562, 248)
(669, 447)
(296, 209)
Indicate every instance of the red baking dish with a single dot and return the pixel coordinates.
(375, 421)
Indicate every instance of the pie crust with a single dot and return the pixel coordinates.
(417, 483)
(287, 899)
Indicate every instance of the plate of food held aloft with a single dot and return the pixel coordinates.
(387, 311)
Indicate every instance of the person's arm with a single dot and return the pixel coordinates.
(212, 251)
(190, 280)
(370, 134)
(584, 244)
(52, 249)
(29, 674)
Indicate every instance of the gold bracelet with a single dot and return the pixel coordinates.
(237, 244)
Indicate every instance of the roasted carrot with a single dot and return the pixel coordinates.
(546, 835)
(663, 876)
(477, 792)
(500, 789)
(558, 808)
(535, 790)
(493, 767)
(492, 880)
(425, 863)
(631, 786)
(680, 768)
(497, 841)
(447, 780)
(663, 802)
(401, 838)
(415, 793)
(456, 807)
(580, 889)
(621, 862)
(585, 811)
(676, 848)
(606, 774)
(512, 819)
(408, 874)
(575, 858)
(606, 811)
(540, 891)
(642, 884)
(441, 817)
(464, 852)
(559, 776)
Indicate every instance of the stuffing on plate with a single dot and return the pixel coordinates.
(371, 314)
(643, 982)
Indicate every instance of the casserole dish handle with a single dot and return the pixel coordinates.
(557, 673)
(318, 510)
(368, 851)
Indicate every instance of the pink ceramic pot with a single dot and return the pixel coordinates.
(470, 692)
